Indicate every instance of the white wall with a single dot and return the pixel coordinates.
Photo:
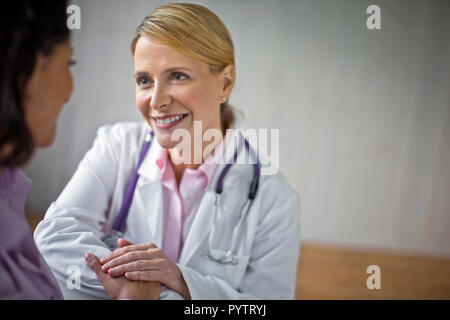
(364, 116)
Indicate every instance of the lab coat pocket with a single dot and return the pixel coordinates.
(230, 272)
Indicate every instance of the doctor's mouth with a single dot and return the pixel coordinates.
(168, 121)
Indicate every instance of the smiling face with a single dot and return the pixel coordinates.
(174, 90)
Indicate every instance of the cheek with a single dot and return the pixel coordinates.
(59, 89)
(46, 98)
(70, 85)
(56, 87)
(198, 100)
(189, 98)
(142, 102)
(207, 110)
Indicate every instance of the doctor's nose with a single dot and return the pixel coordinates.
(160, 98)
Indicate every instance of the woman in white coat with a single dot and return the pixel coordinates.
(178, 231)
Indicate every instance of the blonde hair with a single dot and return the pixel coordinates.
(196, 32)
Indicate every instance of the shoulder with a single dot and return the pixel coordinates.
(14, 229)
(118, 139)
(276, 191)
(122, 131)
(273, 186)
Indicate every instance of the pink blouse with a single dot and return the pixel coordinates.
(180, 203)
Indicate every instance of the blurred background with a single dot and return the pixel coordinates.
(364, 120)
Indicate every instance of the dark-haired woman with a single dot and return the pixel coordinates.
(35, 54)
(35, 83)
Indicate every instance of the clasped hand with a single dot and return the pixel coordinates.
(143, 263)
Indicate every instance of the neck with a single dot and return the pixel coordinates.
(197, 158)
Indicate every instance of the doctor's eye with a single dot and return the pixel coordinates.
(179, 76)
(143, 81)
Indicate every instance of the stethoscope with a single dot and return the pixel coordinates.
(228, 258)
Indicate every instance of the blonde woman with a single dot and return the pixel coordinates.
(203, 227)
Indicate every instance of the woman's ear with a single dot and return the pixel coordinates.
(227, 76)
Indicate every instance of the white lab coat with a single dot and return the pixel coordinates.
(268, 250)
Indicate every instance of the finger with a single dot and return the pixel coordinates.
(94, 263)
(148, 275)
(129, 257)
(140, 265)
(121, 251)
(123, 243)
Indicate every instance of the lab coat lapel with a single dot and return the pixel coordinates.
(148, 193)
(149, 203)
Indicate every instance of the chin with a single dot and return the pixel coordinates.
(165, 141)
(48, 140)
(164, 137)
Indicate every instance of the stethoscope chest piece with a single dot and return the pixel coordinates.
(111, 239)
(227, 259)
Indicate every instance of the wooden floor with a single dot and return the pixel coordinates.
(330, 273)
(326, 273)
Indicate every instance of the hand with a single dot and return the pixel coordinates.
(122, 288)
(145, 262)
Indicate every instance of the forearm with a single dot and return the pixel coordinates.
(55, 238)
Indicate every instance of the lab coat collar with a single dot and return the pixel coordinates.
(149, 169)
(154, 212)
(149, 187)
